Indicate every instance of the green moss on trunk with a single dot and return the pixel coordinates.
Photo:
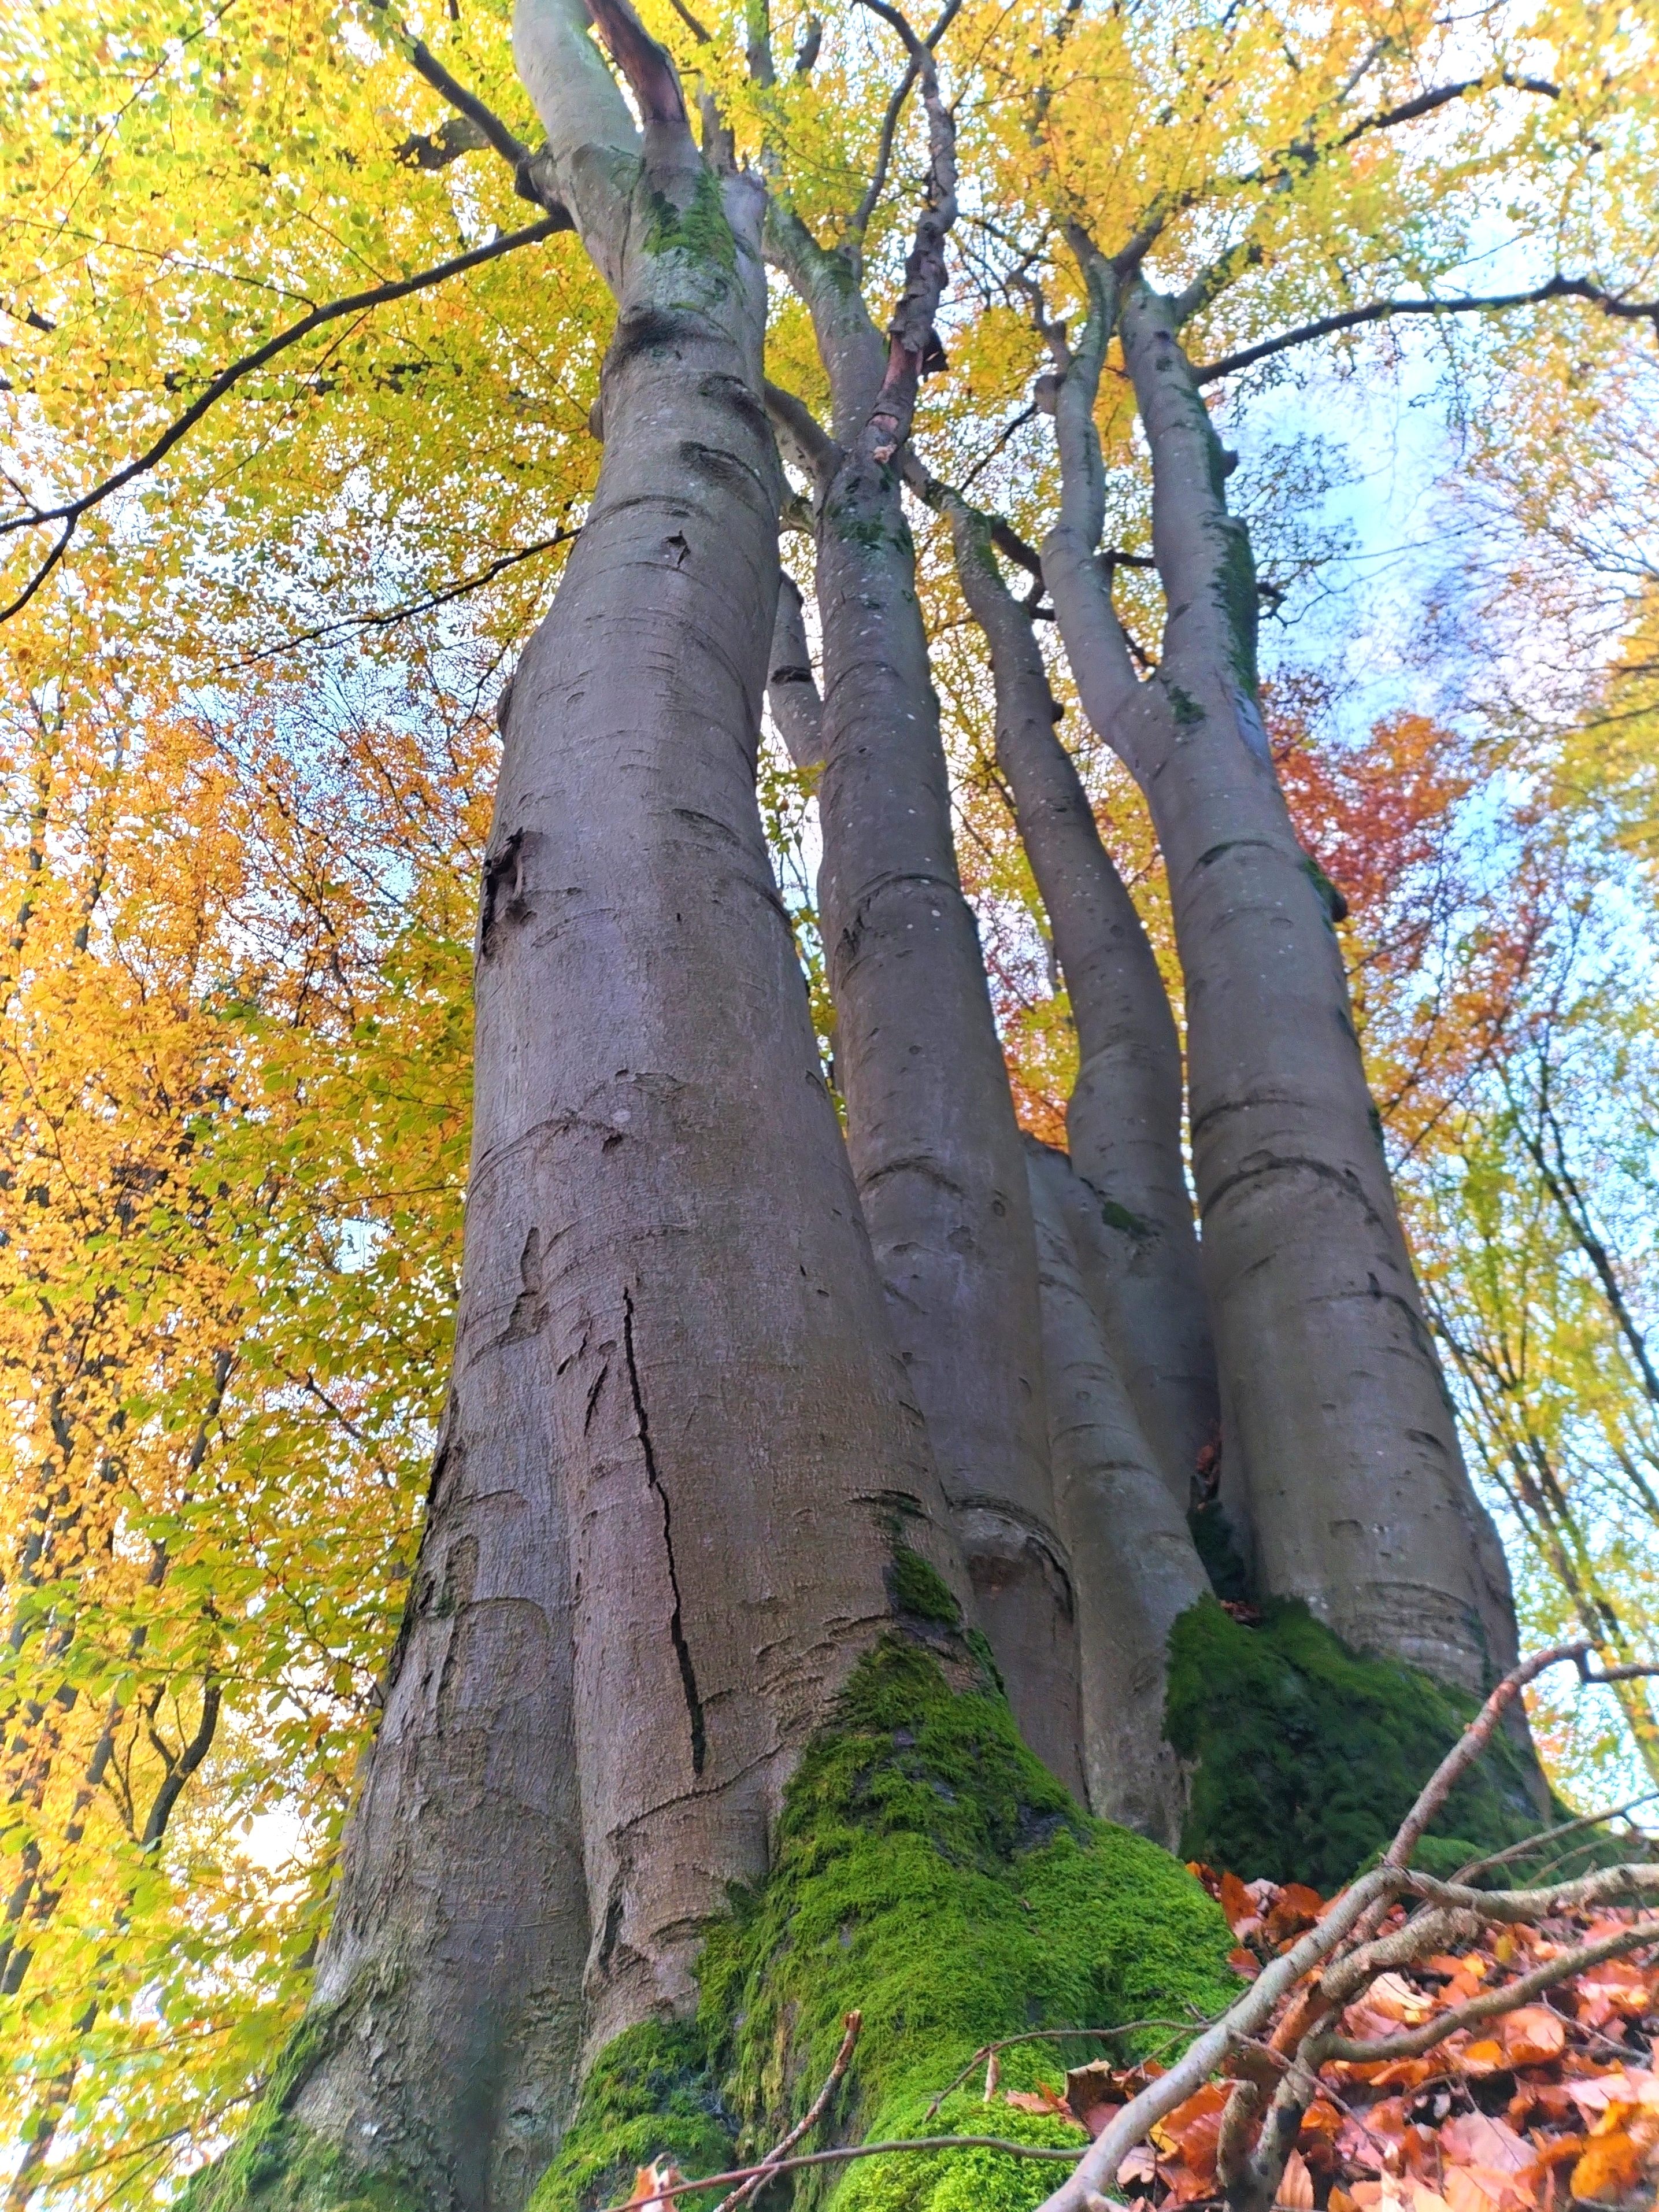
(932, 1874)
(1308, 1755)
(280, 2164)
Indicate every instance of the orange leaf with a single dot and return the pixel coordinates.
(1039, 2100)
(1612, 2166)
(1533, 2036)
(1238, 1905)
(1466, 2191)
(1296, 2189)
(1190, 2132)
(1321, 2123)
(1475, 2140)
(1296, 1907)
(1404, 2072)
(650, 2181)
(1480, 2059)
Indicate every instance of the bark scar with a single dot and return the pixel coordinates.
(676, 1621)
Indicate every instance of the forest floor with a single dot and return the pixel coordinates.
(1554, 2102)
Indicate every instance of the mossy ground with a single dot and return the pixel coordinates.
(1307, 1755)
(932, 1875)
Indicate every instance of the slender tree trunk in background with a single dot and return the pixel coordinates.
(1334, 1405)
(678, 1441)
(1123, 1120)
(791, 690)
(1132, 1553)
(930, 1119)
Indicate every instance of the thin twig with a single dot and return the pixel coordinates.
(1558, 288)
(1469, 1747)
(769, 2164)
(902, 2146)
(70, 512)
(1056, 2035)
(1491, 2003)
(1528, 1845)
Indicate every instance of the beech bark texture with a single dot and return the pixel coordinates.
(1133, 1556)
(1124, 1117)
(930, 1119)
(1335, 1414)
(680, 1444)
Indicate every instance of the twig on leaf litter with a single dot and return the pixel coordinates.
(768, 2164)
(1347, 1953)
(1349, 1926)
(1056, 2035)
(1528, 1845)
(1493, 2003)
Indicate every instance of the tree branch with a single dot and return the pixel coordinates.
(913, 343)
(769, 2165)
(673, 2189)
(1558, 288)
(411, 607)
(649, 68)
(816, 451)
(70, 512)
(1493, 2003)
(435, 149)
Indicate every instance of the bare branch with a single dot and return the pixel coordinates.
(672, 2189)
(946, 500)
(1493, 2003)
(1529, 1845)
(477, 113)
(890, 121)
(699, 30)
(913, 343)
(1475, 1738)
(410, 609)
(1558, 288)
(435, 149)
(773, 2161)
(1097, 2170)
(71, 511)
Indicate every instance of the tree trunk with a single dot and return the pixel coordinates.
(1133, 1559)
(791, 690)
(1123, 1119)
(930, 1118)
(1335, 1409)
(679, 1446)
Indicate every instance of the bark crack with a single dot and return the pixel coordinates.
(676, 1618)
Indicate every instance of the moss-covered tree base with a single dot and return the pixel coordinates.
(1306, 1756)
(280, 2164)
(933, 1875)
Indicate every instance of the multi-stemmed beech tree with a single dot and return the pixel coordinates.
(777, 1385)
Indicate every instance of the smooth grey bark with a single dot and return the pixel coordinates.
(1132, 1555)
(930, 1121)
(1335, 1415)
(1124, 1116)
(791, 690)
(679, 1440)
